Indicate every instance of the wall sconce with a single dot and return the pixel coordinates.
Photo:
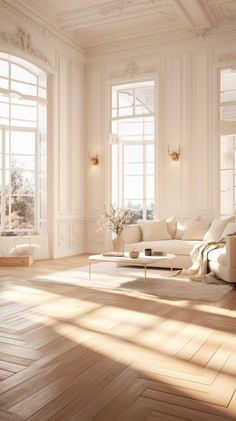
(93, 159)
(174, 155)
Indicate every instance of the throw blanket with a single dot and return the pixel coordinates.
(199, 257)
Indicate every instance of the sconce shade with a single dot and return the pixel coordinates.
(175, 156)
(93, 159)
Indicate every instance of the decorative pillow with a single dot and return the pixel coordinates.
(196, 230)
(230, 229)
(216, 229)
(171, 225)
(155, 230)
(132, 234)
(23, 249)
(182, 223)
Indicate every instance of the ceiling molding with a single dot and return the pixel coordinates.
(90, 25)
(24, 14)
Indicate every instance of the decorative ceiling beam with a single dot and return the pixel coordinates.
(183, 14)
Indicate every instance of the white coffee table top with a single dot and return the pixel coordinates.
(141, 260)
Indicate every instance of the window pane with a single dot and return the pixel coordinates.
(4, 68)
(25, 162)
(4, 121)
(4, 110)
(133, 187)
(150, 168)
(19, 73)
(125, 98)
(24, 88)
(23, 113)
(122, 112)
(4, 83)
(150, 153)
(133, 153)
(150, 209)
(136, 209)
(150, 187)
(22, 212)
(22, 182)
(133, 169)
(144, 109)
(144, 95)
(131, 127)
(24, 123)
(22, 142)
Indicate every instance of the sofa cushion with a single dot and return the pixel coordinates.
(171, 225)
(154, 230)
(229, 230)
(132, 234)
(216, 229)
(195, 230)
(178, 247)
(182, 223)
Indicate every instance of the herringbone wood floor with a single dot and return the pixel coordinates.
(74, 353)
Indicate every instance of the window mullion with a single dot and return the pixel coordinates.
(3, 210)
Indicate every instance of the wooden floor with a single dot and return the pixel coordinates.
(74, 353)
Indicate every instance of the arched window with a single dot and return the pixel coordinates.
(23, 146)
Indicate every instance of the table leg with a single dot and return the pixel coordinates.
(145, 274)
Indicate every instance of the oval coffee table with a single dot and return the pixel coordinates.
(142, 260)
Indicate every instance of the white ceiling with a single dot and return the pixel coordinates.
(93, 22)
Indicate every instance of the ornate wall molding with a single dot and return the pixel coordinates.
(22, 40)
(131, 71)
(115, 7)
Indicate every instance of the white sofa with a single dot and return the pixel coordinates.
(222, 261)
(179, 235)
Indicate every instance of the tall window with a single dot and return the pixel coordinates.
(23, 93)
(228, 140)
(133, 148)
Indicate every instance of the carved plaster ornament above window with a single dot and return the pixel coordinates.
(132, 70)
(226, 57)
(22, 41)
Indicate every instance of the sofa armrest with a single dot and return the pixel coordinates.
(231, 251)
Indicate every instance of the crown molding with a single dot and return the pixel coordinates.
(22, 12)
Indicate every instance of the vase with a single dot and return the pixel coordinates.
(118, 243)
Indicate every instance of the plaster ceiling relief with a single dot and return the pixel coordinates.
(99, 22)
(224, 10)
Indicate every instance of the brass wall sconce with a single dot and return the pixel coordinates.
(94, 160)
(175, 156)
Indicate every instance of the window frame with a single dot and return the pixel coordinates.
(226, 128)
(144, 143)
(39, 127)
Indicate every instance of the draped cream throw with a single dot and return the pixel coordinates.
(199, 255)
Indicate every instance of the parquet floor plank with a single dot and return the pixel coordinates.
(73, 353)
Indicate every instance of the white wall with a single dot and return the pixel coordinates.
(65, 65)
(187, 116)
